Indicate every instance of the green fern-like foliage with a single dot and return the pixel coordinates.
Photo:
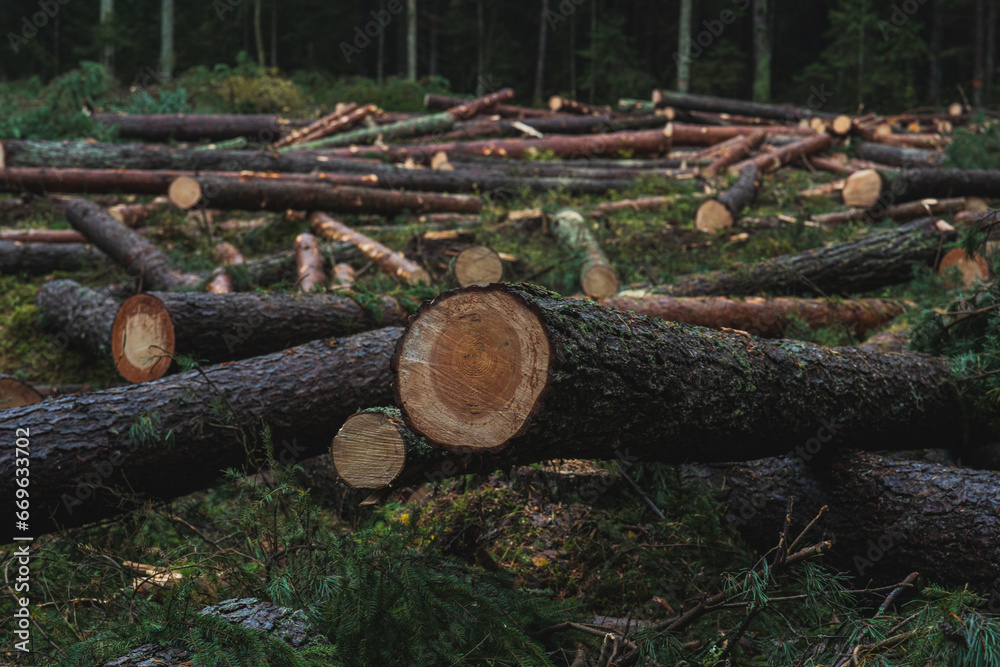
(976, 146)
(61, 112)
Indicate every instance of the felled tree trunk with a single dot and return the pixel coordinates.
(734, 150)
(309, 262)
(84, 181)
(565, 105)
(226, 254)
(889, 517)
(911, 184)
(667, 98)
(515, 368)
(898, 156)
(283, 623)
(770, 161)
(270, 195)
(150, 328)
(722, 212)
(188, 428)
(393, 263)
(765, 317)
(192, 127)
(597, 275)
(78, 316)
(137, 254)
(869, 262)
(433, 101)
(42, 236)
(909, 210)
(640, 204)
(281, 267)
(41, 258)
(329, 123)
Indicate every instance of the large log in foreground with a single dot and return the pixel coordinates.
(911, 184)
(149, 329)
(137, 254)
(84, 460)
(869, 262)
(887, 517)
(514, 367)
(765, 317)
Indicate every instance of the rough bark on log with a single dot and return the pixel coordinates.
(78, 317)
(597, 275)
(911, 184)
(15, 394)
(764, 317)
(83, 461)
(906, 211)
(149, 329)
(793, 151)
(667, 98)
(42, 258)
(340, 124)
(565, 105)
(734, 150)
(137, 254)
(192, 127)
(83, 181)
(288, 625)
(514, 367)
(393, 263)
(722, 212)
(869, 262)
(309, 263)
(888, 517)
(898, 156)
(271, 195)
(925, 141)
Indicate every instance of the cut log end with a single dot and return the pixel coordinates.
(478, 265)
(863, 188)
(970, 268)
(184, 192)
(142, 339)
(599, 281)
(16, 394)
(471, 370)
(842, 124)
(368, 452)
(713, 216)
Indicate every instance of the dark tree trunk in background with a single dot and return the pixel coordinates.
(411, 40)
(683, 56)
(572, 55)
(762, 52)
(991, 48)
(258, 33)
(593, 50)
(274, 33)
(167, 39)
(543, 31)
(937, 39)
(108, 51)
(977, 63)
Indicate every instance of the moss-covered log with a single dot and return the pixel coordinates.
(722, 212)
(158, 440)
(869, 262)
(41, 258)
(515, 368)
(150, 328)
(597, 275)
(765, 317)
(78, 317)
(134, 252)
(887, 517)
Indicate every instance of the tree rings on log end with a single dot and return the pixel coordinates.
(16, 394)
(142, 339)
(471, 368)
(842, 124)
(862, 188)
(599, 281)
(368, 452)
(712, 216)
(970, 268)
(184, 192)
(478, 265)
